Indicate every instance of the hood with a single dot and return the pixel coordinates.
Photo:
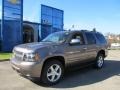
(31, 47)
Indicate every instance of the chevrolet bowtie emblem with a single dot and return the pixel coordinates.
(14, 1)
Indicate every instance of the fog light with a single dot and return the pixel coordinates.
(37, 57)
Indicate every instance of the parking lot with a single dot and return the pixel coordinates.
(108, 78)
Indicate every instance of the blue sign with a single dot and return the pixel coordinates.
(12, 19)
(12, 9)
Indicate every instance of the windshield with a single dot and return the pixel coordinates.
(58, 37)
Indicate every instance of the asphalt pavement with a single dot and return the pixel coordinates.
(107, 78)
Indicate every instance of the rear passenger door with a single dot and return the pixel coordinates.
(91, 49)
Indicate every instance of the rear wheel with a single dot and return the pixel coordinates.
(99, 61)
(52, 72)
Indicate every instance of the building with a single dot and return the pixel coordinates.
(30, 34)
(14, 30)
(113, 38)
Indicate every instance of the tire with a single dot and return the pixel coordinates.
(99, 61)
(52, 72)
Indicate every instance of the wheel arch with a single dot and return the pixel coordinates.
(59, 58)
(101, 52)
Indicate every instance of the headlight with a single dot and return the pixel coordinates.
(30, 57)
(13, 54)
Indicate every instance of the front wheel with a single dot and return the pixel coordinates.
(99, 61)
(52, 72)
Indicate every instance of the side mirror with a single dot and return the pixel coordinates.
(75, 41)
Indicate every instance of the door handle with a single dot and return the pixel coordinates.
(85, 48)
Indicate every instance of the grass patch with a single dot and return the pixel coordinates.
(4, 56)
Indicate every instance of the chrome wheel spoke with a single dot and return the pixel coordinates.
(57, 68)
(52, 69)
(58, 74)
(100, 61)
(49, 74)
(53, 78)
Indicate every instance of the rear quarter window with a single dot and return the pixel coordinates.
(101, 38)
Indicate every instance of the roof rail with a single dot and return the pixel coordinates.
(85, 30)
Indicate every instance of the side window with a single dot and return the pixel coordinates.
(78, 36)
(101, 38)
(90, 38)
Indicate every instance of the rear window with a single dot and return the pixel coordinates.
(101, 38)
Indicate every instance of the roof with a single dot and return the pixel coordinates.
(31, 22)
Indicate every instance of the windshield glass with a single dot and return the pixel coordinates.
(58, 37)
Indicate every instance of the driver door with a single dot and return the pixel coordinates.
(75, 52)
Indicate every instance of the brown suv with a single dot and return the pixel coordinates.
(49, 58)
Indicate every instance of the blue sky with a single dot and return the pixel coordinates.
(104, 15)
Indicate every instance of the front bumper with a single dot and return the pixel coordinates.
(28, 69)
(106, 52)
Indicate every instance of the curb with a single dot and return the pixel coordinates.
(4, 60)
